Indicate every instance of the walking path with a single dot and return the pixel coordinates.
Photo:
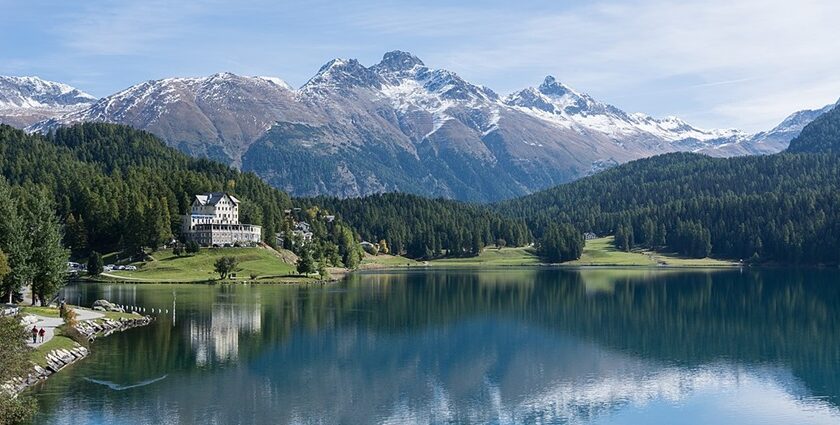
(50, 323)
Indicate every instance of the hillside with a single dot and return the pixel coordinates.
(163, 266)
(779, 208)
(821, 135)
(118, 187)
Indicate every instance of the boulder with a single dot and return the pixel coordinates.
(102, 303)
(99, 308)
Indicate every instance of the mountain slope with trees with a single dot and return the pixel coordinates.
(115, 187)
(781, 208)
(821, 135)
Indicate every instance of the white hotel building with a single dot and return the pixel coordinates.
(214, 221)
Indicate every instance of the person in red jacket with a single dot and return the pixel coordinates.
(34, 334)
(41, 334)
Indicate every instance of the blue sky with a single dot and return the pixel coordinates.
(716, 63)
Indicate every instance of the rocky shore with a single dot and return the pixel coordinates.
(57, 360)
(104, 327)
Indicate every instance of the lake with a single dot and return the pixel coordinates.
(590, 346)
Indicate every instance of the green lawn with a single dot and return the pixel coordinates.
(167, 267)
(40, 311)
(602, 252)
(387, 261)
(597, 252)
(521, 256)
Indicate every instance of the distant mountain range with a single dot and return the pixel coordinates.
(27, 100)
(398, 125)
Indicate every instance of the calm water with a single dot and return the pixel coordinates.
(539, 346)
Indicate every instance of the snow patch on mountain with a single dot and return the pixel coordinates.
(34, 92)
(567, 108)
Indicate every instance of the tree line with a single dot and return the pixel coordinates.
(424, 228)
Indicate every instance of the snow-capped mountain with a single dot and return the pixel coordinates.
(215, 116)
(771, 141)
(401, 126)
(562, 105)
(26, 100)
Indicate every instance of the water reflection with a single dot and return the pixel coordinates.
(217, 339)
(591, 346)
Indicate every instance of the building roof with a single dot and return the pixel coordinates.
(213, 198)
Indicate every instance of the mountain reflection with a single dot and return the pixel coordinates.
(555, 346)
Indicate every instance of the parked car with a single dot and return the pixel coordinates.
(108, 267)
(119, 267)
(130, 268)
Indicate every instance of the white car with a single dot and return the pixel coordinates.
(130, 268)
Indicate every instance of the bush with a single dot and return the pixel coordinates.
(70, 317)
(74, 334)
(192, 247)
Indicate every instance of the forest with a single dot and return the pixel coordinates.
(820, 136)
(782, 208)
(117, 188)
(424, 228)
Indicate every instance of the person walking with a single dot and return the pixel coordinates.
(41, 334)
(34, 334)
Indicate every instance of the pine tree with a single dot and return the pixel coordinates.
(49, 260)
(477, 245)
(323, 273)
(75, 233)
(305, 263)
(15, 242)
(94, 264)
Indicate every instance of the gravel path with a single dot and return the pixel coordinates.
(50, 323)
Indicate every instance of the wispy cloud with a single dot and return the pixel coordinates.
(128, 28)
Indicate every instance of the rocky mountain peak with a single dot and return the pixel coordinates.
(552, 87)
(397, 61)
(344, 74)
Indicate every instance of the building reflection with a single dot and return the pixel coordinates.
(216, 339)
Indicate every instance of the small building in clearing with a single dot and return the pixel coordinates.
(213, 220)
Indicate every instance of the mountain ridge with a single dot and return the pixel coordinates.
(27, 100)
(399, 125)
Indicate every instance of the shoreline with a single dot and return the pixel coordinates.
(549, 266)
(58, 359)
